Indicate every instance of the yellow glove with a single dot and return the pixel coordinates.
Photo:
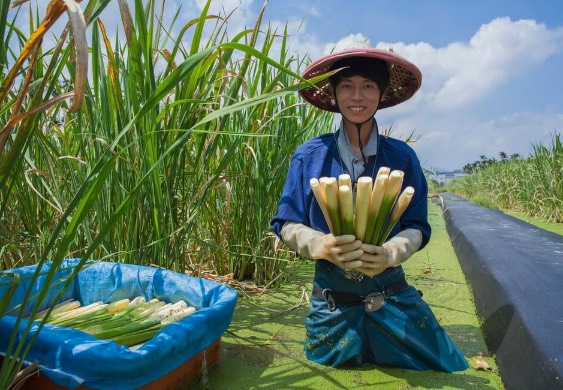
(392, 253)
(343, 251)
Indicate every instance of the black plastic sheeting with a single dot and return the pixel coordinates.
(515, 271)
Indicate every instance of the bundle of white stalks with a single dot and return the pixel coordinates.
(127, 322)
(371, 213)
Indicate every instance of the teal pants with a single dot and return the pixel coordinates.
(403, 333)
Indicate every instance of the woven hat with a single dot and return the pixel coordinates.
(404, 78)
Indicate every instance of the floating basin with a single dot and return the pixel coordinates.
(76, 360)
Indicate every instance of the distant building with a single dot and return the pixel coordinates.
(446, 177)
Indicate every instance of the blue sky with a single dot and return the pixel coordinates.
(491, 69)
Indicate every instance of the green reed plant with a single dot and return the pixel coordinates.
(25, 95)
(548, 165)
(236, 226)
(125, 169)
(533, 184)
(167, 141)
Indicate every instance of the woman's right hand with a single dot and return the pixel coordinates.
(344, 251)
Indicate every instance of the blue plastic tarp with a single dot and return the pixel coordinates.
(72, 358)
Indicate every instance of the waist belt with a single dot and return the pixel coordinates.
(347, 298)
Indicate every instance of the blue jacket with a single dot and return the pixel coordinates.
(319, 157)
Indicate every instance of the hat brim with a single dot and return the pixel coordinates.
(404, 78)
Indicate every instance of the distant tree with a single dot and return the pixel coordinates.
(485, 162)
(469, 168)
(481, 164)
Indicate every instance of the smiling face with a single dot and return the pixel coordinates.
(357, 98)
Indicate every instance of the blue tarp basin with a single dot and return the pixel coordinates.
(72, 358)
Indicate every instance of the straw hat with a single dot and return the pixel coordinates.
(404, 78)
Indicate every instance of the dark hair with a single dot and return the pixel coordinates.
(370, 68)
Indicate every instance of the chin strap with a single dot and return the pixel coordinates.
(359, 126)
(360, 144)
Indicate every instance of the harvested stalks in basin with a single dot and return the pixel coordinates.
(127, 322)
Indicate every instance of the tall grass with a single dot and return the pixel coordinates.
(168, 154)
(533, 185)
(235, 225)
(169, 146)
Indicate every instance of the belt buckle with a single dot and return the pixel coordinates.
(374, 301)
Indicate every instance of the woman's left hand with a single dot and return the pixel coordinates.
(375, 260)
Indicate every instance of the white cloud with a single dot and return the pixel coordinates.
(314, 11)
(456, 78)
(226, 6)
(450, 143)
(461, 73)
(349, 41)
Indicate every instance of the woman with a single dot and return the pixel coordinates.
(375, 317)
